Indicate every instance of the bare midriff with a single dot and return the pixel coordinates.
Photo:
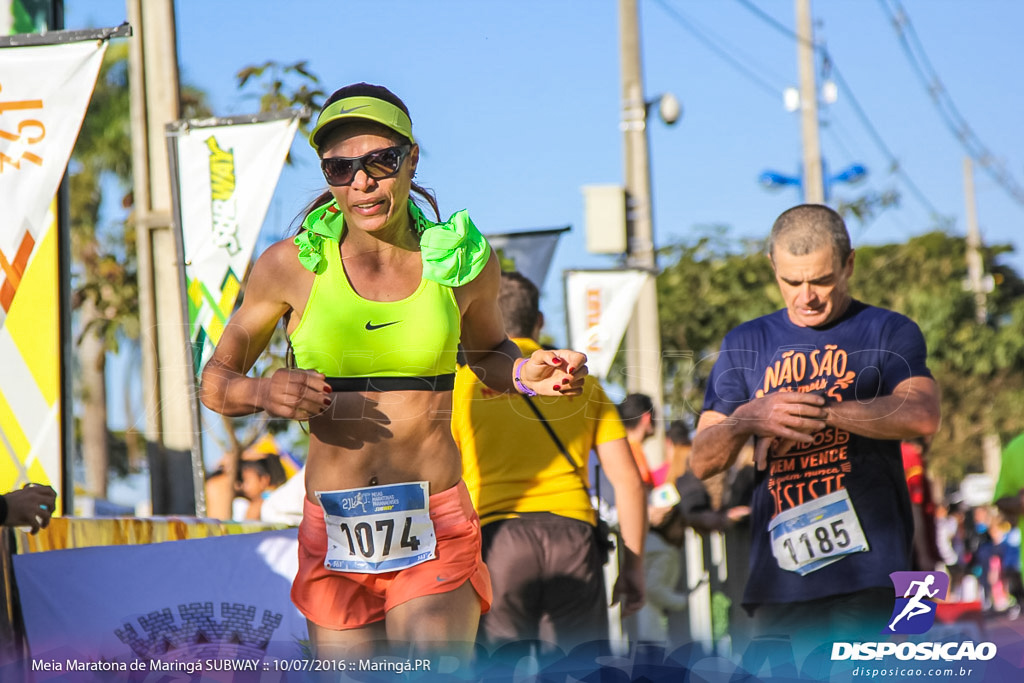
(388, 437)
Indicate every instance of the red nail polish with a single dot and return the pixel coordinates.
(570, 370)
(556, 360)
(557, 387)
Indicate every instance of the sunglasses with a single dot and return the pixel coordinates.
(378, 165)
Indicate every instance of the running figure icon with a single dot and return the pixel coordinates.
(915, 606)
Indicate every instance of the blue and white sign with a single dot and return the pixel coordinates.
(178, 606)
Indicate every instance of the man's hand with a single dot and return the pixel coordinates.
(783, 420)
(785, 415)
(31, 506)
(296, 394)
(774, 447)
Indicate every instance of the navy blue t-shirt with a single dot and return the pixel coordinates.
(865, 354)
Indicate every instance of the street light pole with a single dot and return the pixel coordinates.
(813, 181)
(975, 266)
(643, 336)
(166, 365)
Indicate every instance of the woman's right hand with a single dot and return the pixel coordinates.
(296, 394)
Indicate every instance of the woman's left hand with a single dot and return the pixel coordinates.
(554, 373)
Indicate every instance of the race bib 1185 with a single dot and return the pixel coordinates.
(817, 533)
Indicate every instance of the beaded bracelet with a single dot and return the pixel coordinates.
(517, 379)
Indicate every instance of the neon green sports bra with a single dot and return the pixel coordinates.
(364, 345)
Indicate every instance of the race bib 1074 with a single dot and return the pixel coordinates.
(378, 528)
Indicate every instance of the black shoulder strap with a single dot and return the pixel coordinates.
(558, 443)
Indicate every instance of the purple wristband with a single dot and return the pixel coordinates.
(517, 379)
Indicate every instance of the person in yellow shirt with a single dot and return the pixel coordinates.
(539, 539)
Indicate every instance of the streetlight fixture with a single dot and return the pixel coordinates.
(669, 108)
(851, 175)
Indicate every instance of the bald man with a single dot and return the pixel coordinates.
(827, 386)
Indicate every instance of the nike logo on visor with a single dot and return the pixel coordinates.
(349, 111)
(371, 327)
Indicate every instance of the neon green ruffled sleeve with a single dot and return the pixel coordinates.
(322, 222)
(453, 252)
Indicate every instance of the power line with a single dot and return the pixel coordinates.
(894, 163)
(690, 27)
(834, 130)
(865, 120)
(772, 21)
(951, 116)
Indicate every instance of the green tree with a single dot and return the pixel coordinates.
(104, 281)
(104, 272)
(980, 368)
(708, 288)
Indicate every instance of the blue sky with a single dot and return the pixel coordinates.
(516, 105)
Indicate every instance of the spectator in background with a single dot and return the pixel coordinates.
(219, 490)
(524, 461)
(925, 556)
(259, 477)
(947, 527)
(259, 474)
(695, 503)
(284, 504)
(979, 550)
(30, 506)
(667, 595)
(637, 413)
(697, 509)
(737, 493)
(1008, 551)
(952, 525)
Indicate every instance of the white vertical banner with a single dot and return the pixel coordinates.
(599, 304)
(44, 92)
(226, 175)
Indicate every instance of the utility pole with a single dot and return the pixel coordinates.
(979, 285)
(166, 365)
(975, 268)
(643, 336)
(813, 181)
